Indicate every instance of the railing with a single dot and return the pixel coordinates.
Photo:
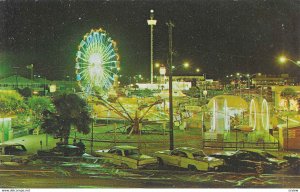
(240, 145)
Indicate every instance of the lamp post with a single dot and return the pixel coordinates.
(283, 59)
(16, 72)
(204, 91)
(30, 67)
(151, 22)
(92, 135)
(287, 132)
(170, 26)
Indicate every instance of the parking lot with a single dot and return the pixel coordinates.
(88, 172)
(55, 174)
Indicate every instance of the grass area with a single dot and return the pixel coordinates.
(105, 137)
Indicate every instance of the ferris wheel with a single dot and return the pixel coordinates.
(97, 62)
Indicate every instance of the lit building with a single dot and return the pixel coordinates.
(39, 85)
(269, 80)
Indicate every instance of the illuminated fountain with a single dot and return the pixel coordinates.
(214, 116)
(235, 120)
(265, 116)
(252, 115)
(226, 117)
(220, 117)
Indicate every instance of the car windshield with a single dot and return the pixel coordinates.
(132, 152)
(199, 154)
(14, 149)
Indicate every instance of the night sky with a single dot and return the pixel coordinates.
(218, 36)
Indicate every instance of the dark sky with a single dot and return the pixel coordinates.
(219, 36)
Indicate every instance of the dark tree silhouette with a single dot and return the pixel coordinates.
(71, 110)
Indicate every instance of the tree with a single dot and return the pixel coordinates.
(71, 110)
(11, 103)
(193, 92)
(26, 92)
(288, 94)
(37, 105)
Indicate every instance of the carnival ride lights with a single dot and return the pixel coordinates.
(97, 62)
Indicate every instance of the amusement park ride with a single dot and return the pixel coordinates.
(97, 64)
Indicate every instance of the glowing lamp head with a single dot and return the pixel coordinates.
(186, 65)
(282, 59)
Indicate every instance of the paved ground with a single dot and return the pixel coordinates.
(81, 174)
(52, 174)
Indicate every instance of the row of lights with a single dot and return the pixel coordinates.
(185, 65)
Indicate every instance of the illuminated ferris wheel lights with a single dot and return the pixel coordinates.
(95, 71)
(95, 59)
(96, 62)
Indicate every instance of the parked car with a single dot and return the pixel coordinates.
(251, 160)
(61, 151)
(294, 162)
(189, 158)
(13, 152)
(126, 156)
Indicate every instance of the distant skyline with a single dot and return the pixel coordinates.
(219, 37)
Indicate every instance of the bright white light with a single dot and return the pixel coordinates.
(95, 59)
(186, 65)
(95, 67)
(282, 59)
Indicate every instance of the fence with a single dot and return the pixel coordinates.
(148, 143)
(240, 145)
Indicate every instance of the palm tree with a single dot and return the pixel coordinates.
(71, 110)
(288, 94)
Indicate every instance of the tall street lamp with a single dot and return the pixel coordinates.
(283, 59)
(151, 22)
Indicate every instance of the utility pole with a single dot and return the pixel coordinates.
(170, 26)
(287, 132)
(16, 72)
(151, 22)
